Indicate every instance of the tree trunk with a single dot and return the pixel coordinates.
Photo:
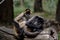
(38, 6)
(6, 11)
(22, 3)
(58, 11)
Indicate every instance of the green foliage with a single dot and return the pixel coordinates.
(59, 36)
(50, 5)
(29, 3)
(18, 10)
(16, 3)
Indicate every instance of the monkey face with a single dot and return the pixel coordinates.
(27, 11)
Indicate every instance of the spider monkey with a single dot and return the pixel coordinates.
(27, 14)
(35, 23)
(24, 16)
(19, 31)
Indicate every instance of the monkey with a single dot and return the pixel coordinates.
(35, 22)
(24, 16)
(19, 22)
(27, 14)
(36, 19)
(33, 26)
(19, 31)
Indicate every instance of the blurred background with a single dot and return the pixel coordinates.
(48, 7)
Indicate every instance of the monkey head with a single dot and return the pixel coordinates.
(27, 11)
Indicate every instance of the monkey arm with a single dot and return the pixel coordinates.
(20, 31)
(19, 17)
